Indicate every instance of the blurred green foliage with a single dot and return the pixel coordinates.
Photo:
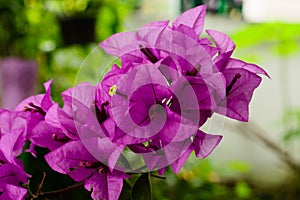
(205, 182)
(64, 62)
(292, 119)
(30, 29)
(284, 38)
(200, 180)
(73, 7)
(23, 28)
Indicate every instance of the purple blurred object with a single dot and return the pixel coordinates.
(18, 78)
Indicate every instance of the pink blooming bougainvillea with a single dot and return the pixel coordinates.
(145, 115)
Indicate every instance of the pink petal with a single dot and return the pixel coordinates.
(67, 158)
(47, 102)
(222, 41)
(116, 43)
(157, 24)
(12, 192)
(236, 105)
(178, 164)
(234, 63)
(205, 143)
(106, 186)
(193, 18)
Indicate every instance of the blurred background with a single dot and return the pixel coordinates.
(51, 39)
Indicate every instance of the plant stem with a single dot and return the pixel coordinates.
(158, 176)
(41, 184)
(60, 191)
(44, 195)
(254, 130)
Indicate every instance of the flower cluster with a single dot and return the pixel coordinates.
(144, 115)
(12, 140)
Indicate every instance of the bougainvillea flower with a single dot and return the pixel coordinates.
(143, 92)
(188, 54)
(36, 108)
(106, 87)
(48, 136)
(59, 125)
(74, 159)
(38, 103)
(12, 140)
(157, 40)
(226, 47)
(12, 134)
(8, 191)
(82, 118)
(78, 102)
(178, 48)
(159, 154)
(168, 100)
(241, 78)
(12, 174)
(220, 83)
(140, 106)
(40, 131)
(119, 44)
(203, 144)
(240, 86)
(193, 18)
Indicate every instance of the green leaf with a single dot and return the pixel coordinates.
(142, 188)
(126, 191)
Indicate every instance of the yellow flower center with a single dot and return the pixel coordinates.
(112, 90)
